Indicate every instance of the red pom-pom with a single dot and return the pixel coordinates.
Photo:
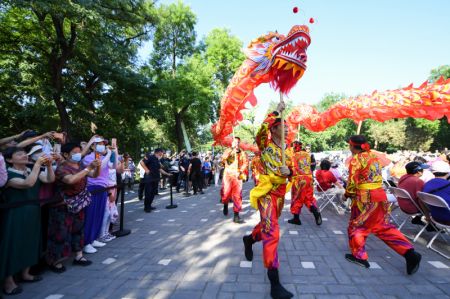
(311, 20)
(295, 9)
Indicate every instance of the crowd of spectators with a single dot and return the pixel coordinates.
(57, 200)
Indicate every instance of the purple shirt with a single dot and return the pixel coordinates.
(103, 178)
(440, 214)
(3, 172)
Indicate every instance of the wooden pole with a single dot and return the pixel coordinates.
(358, 131)
(283, 141)
(235, 152)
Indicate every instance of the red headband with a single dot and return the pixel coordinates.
(364, 146)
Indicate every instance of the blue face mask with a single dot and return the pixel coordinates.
(100, 148)
(76, 157)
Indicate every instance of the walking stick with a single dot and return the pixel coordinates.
(283, 153)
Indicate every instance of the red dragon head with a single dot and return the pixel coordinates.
(282, 58)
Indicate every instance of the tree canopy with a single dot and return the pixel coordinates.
(74, 66)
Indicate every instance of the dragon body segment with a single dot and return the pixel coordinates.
(430, 101)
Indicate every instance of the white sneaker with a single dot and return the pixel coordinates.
(98, 244)
(131, 191)
(112, 237)
(89, 249)
(105, 239)
(126, 192)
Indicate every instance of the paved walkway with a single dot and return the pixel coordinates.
(193, 251)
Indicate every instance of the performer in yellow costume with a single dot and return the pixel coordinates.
(268, 197)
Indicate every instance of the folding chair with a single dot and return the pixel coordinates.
(402, 193)
(326, 197)
(393, 204)
(438, 202)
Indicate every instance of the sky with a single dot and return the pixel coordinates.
(356, 46)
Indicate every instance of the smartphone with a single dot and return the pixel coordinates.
(114, 142)
(97, 156)
(57, 148)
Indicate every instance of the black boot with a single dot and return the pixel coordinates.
(412, 261)
(225, 209)
(248, 243)
(351, 258)
(295, 220)
(316, 214)
(237, 219)
(277, 291)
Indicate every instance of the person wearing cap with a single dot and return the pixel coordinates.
(439, 186)
(94, 213)
(426, 173)
(268, 197)
(235, 162)
(302, 192)
(412, 183)
(370, 208)
(21, 225)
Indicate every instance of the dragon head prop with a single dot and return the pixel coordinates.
(281, 58)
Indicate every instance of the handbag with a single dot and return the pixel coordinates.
(76, 203)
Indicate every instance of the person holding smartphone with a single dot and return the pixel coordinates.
(21, 232)
(97, 187)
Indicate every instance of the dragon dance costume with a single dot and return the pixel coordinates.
(268, 195)
(370, 211)
(302, 190)
(235, 172)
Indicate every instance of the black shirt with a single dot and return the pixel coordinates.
(196, 165)
(153, 165)
(184, 161)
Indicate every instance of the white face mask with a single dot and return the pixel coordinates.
(76, 157)
(100, 148)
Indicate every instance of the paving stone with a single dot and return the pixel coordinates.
(202, 259)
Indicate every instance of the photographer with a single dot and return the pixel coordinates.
(66, 222)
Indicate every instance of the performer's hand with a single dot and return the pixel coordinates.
(284, 170)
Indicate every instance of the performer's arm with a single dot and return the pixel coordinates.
(244, 166)
(226, 155)
(350, 191)
(262, 137)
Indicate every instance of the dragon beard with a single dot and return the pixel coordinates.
(284, 75)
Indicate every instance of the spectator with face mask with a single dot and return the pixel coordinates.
(66, 228)
(21, 229)
(96, 186)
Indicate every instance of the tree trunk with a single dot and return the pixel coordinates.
(62, 51)
(179, 132)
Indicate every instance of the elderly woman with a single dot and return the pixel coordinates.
(20, 227)
(66, 222)
(97, 187)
